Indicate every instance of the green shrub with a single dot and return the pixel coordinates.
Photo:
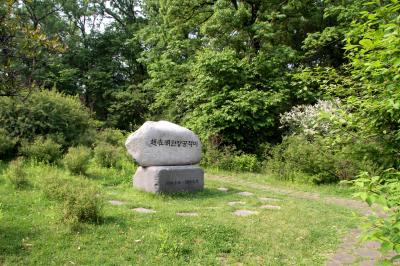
(83, 205)
(245, 163)
(111, 136)
(77, 159)
(108, 155)
(229, 159)
(47, 113)
(16, 174)
(7, 144)
(81, 201)
(42, 149)
(299, 156)
(219, 158)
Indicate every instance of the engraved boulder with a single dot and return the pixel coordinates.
(164, 143)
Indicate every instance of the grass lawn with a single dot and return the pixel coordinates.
(302, 232)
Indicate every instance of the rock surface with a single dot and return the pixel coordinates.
(244, 213)
(159, 179)
(164, 143)
(144, 210)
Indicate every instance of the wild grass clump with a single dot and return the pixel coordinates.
(42, 149)
(77, 159)
(17, 175)
(81, 201)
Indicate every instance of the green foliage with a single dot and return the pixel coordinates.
(317, 160)
(246, 163)
(25, 46)
(47, 113)
(81, 201)
(7, 144)
(111, 136)
(77, 159)
(108, 155)
(383, 190)
(372, 47)
(218, 158)
(83, 205)
(229, 159)
(16, 174)
(223, 68)
(42, 150)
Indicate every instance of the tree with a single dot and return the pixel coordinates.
(225, 67)
(25, 48)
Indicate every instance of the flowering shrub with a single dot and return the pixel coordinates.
(312, 119)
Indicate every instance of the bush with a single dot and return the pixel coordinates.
(83, 205)
(245, 163)
(81, 201)
(77, 159)
(108, 155)
(47, 113)
(7, 144)
(229, 159)
(16, 174)
(111, 136)
(299, 156)
(218, 158)
(42, 149)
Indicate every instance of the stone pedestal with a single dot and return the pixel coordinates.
(160, 179)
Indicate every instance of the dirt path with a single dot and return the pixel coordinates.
(351, 251)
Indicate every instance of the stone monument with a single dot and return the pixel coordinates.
(168, 155)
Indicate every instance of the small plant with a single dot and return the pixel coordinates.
(245, 163)
(83, 204)
(81, 201)
(42, 149)
(171, 247)
(111, 136)
(16, 174)
(219, 158)
(7, 143)
(77, 159)
(108, 155)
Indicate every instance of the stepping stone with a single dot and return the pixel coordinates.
(144, 210)
(368, 253)
(223, 189)
(245, 193)
(269, 199)
(270, 207)
(343, 258)
(232, 203)
(372, 245)
(367, 263)
(116, 202)
(244, 213)
(187, 214)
